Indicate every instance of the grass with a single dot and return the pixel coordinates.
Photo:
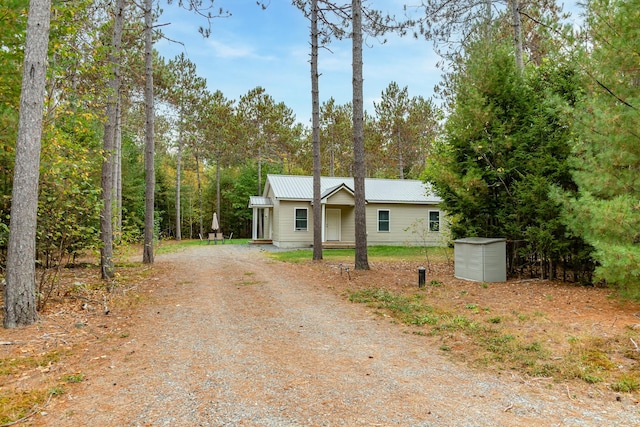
(626, 384)
(15, 405)
(249, 283)
(11, 366)
(497, 342)
(386, 253)
(73, 378)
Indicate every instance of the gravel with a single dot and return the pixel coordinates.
(237, 339)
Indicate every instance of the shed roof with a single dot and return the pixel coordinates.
(481, 240)
(298, 187)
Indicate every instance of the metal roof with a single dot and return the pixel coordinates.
(298, 187)
(260, 202)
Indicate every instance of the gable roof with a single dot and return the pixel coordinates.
(299, 187)
(333, 190)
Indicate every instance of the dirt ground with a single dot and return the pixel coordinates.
(219, 335)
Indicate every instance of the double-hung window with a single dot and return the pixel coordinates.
(383, 220)
(301, 219)
(434, 221)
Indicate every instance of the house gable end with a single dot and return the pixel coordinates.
(339, 195)
(342, 196)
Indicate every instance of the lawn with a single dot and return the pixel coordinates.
(375, 253)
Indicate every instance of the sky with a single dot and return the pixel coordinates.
(271, 48)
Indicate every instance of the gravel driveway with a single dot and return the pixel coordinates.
(237, 339)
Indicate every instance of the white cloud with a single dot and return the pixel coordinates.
(223, 50)
(271, 49)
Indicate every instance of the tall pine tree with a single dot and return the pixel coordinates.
(606, 211)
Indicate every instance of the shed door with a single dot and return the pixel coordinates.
(333, 219)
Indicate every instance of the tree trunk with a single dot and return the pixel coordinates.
(260, 233)
(218, 195)
(149, 168)
(488, 20)
(190, 217)
(178, 185)
(332, 156)
(19, 292)
(259, 171)
(106, 217)
(517, 35)
(400, 159)
(315, 137)
(201, 234)
(117, 174)
(361, 256)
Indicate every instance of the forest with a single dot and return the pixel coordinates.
(533, 133)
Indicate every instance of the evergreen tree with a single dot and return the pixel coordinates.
(506, 146)
(606, 211)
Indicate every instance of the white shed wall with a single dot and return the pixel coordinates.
(481, 259)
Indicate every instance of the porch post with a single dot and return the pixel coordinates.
(254, 231)
(324, 226)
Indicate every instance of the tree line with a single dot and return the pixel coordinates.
(136, 147)
(532, 134)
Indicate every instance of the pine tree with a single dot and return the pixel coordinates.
(606, 211)
(19, 292)
(505, 149)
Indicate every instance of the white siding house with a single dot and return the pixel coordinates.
(399, 212)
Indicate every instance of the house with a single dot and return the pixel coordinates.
(398, 212)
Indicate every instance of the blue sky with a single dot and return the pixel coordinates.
(270, 48)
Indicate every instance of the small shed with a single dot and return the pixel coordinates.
(481, 259)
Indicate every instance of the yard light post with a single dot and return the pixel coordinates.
(421, 277)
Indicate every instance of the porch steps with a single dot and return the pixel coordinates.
(338, 245)
(261, 242)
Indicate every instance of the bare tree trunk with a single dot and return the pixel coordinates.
(106, 217)
(178, 184)
(400, 159)
(260, 232)
(315, 137)
(190, 217)
(218, 188)
(361, 256)
(199, 195)
(149, 168)
(517, 35)
(19, 292)
(259, 171)
(332, 158)
(488, 20)
(117, 174)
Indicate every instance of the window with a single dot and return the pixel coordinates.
(301, 219)
(383, 220)
(434, 221)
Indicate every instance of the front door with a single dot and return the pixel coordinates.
(333, 220)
